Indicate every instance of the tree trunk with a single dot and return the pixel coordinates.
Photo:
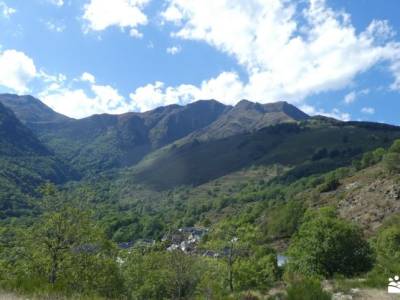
(54, 268)
(230, 268)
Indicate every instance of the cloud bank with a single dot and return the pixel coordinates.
(289, 51)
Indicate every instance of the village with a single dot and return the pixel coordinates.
(185, 239)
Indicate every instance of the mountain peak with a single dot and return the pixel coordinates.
(28, 109)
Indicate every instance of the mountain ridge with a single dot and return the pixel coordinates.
(105, 141)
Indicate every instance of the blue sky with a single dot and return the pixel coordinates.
(336, 57)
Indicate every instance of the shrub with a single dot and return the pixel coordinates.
(284, 220)
(395, 148)
(367, 160)
(378, 154)
(387, 248)
(331, 183)
(326, 245)
(392, 162)
(308, 289)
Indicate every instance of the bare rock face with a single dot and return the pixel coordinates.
(369, 199)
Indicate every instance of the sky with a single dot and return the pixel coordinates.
(339, 58)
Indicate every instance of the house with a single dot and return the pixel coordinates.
(185, 239)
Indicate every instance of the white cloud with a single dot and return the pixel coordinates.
(135, 33)
(101, 14)
(78, 103)
(225, 88)
(395, 68)
(174, 50)
(52, 26)
(59, 3)
(288, 53)
(5, 10)
(88, 77)
(350, 97)
(368, 110)
(335, 113)
(16, 70)
(353, 95)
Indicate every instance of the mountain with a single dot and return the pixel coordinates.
(30, 110)
(248, 116)
(25, 163)
(176, 166)
(103, 142)
(193, 161)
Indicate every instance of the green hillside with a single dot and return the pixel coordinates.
(25, 164)
(296, 145)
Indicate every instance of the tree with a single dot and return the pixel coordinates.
(387, 248)
(249, 263)
(256, 272)
(378, 154)
(67, 249)
(367, 160)
(326, 245)
(57, 235)
(331, 183)
(146, 275)
(183, 275)
(395, 148)
(161, 274)
(284, 220)
(391, 162)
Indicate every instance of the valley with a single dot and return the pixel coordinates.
(256, 179)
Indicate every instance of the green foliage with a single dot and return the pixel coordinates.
(69, 251)
(395, 148)
(331, 183)
(387, 248)
(326, 245)
(378, 154)
(392, 159)
(256, 272)
(367, 160)
(64, 251)
(284, 220)
(162, 275)
(307, 289)
(392, 162)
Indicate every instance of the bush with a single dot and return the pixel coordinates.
(256, 273)
(284, 220)
(326, 245)
(308, 289)
(395, 148)
(387, 248)
(379, 154)
(367, 160)
(331, 183)
(392, 162)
